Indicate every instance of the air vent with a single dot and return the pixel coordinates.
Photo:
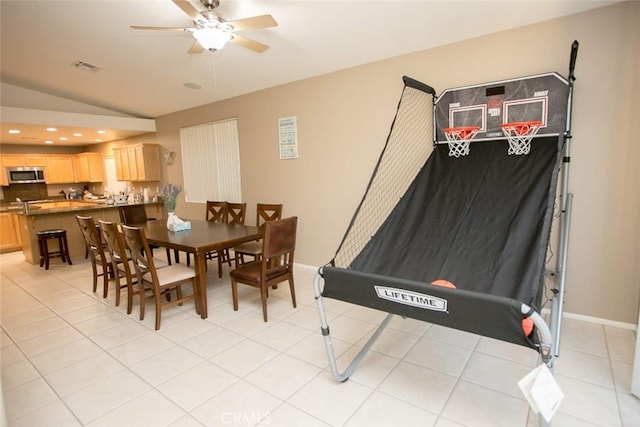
(85, 66)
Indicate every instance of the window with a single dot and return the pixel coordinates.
(211, 162)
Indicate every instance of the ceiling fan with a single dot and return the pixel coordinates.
(212, 32)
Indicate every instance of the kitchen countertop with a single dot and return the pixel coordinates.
(46, 207)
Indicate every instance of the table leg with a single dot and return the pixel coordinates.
(201, 272)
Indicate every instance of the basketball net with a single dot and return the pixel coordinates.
(519, 135)
(459, 139)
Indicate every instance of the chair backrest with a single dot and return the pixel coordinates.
(133, 214)
(216, 211)
(92, 239)
(279, 243)
(236, 213)
(115, 245)
(140, 251)
(267, 212)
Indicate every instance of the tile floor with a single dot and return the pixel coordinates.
(71, 358)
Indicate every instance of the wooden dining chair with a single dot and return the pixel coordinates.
(120, 261)
(217, 212)
(157, 281)
(137, 214)
(275, 265)
(100, 261)
(264, 212)
(236, 213)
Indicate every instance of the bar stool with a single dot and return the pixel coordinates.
(63, 246)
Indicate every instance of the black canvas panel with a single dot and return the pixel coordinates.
(481, 221)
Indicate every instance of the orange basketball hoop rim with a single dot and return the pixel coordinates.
(521, 128)
(461, 132)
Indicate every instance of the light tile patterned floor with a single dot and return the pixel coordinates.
(71, 358)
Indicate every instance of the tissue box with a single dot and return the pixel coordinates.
(182, 226)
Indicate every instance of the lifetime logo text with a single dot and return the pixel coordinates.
(411, 298)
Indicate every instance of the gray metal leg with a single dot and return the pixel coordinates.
(324, 327)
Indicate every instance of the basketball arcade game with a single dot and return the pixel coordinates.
(474, 214)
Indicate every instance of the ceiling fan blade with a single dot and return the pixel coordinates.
(189, 9)
(142, 27)
(249, 44)
(257, 22)
(196, 47)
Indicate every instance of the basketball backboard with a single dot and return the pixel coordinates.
(541, 98)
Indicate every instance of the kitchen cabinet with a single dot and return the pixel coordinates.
(13, 160)
(133, 165)
(59, 169)
(88, 167)
(148, 162)
(23, 160)
(4, 178)
(122, 164)
(10, 239)
(35, 160)
(138, 162)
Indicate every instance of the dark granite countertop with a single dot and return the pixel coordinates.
(46, 207)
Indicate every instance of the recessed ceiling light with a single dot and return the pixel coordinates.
(64, 138)
(52, 130)
(77, 134)
(14, 131)
(102, 132)
(48, 142)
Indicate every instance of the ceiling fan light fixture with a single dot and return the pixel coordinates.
(212, 38)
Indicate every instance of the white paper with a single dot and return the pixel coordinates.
(542, 392)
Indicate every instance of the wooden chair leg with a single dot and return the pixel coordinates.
(179, 293)
(156, 298)
(105, 285)
(293, 292)
(117, 285)
(234, 294)
(263, 295)
(220, 255)
(141, 294)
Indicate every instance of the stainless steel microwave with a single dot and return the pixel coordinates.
(25, 175)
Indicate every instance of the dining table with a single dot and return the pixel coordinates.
(203, 237)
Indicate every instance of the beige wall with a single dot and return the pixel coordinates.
(344, 119)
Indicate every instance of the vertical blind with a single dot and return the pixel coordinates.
(211, 162)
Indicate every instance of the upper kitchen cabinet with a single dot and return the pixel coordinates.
(60, 169)
(13, 160)
(88, 167)
(35, 160)
(138, 162)
(23, 160)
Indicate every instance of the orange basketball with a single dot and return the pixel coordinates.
(444, 283)
(527, 326)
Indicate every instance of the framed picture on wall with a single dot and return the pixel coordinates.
(288, 137)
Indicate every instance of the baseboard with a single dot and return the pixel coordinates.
(581, 317)
(596, 320)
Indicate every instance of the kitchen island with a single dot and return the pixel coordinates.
(61, 214)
